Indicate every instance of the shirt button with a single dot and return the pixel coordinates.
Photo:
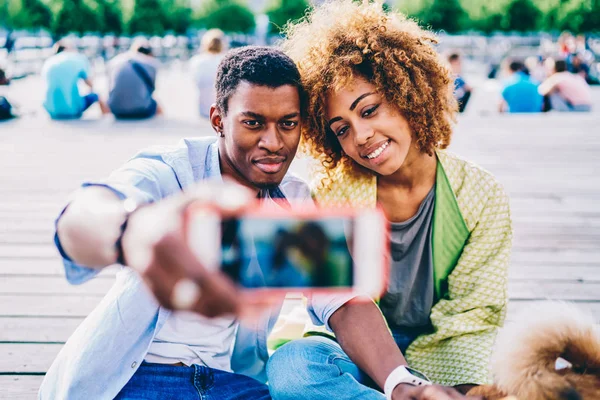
(133, 364)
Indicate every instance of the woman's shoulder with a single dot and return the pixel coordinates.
(462, 172)
(343, 189)
(475, 188)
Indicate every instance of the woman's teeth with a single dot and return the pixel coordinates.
(378, 151)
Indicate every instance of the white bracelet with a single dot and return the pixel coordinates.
(403, 374)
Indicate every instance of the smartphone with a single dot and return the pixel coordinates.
(303, 250)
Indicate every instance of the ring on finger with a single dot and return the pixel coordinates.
(185, 294)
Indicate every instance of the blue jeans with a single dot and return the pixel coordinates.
(168, 382)
(316, 367)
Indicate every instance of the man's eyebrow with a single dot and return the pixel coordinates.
(251, 115)
(362, 96)
(291, 115)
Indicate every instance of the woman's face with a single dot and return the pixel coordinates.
(370, 130)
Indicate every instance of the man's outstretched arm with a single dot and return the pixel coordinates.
(90, 227)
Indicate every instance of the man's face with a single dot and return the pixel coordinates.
(259, 133)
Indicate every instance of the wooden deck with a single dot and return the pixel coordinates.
(549, 165)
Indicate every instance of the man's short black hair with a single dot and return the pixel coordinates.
(560, 65)
(258, 65)
(453, 57)
(516, 66)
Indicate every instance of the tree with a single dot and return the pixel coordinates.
(111, 16)
(522, 16)
(179, 16)
(282, 12)
(444, 14)
(75, 17)
(591, 18)
(29, 14)
(227, 15)
(148, 17)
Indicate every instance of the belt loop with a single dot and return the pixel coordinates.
(203, 378)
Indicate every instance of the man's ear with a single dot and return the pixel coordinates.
(216, 120)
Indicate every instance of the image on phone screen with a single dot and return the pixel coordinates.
(288, 253)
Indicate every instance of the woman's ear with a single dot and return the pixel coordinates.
(216, 120)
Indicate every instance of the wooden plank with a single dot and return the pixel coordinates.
(37, 329)
(545, 290)
(515, 306)
(53, 285)
(31, 251)
(37, 267)
(27, 358)
(47, 306)
(20, 387)
(565, 273)
(555, 257)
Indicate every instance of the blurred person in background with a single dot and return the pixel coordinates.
(4, 81)
(566, 44)
(132, 82)
(520, 93)
(204, 67)
(62, 73)
(536, 69)
(565, 91)
(462, 90)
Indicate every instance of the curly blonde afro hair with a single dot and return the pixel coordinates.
(341, 40)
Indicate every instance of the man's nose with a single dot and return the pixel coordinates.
(271, 140)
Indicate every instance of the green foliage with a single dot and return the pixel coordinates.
(148, 18)
(522, 16)
(29, 14)
(227, 15)
(444, 14)
(282, 12)
(179, 16)
(585, 18)
(75, 17)
(111, 16)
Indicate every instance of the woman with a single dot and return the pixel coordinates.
(204, 67)
(381, 114)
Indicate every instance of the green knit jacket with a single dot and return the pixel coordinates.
(471, 244)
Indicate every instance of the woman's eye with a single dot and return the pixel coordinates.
(342, 131)
(369, 111)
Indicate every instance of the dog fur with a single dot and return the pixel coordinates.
(527, 349)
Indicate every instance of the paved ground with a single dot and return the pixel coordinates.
(548, 163)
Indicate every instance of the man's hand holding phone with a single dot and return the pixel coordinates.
(154, 244)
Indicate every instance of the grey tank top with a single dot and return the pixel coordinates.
(410, 294)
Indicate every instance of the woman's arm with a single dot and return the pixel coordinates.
(362, 333)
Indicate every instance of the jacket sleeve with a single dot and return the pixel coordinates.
(466, 321)
(143, 179)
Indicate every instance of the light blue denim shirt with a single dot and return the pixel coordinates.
(107, 348)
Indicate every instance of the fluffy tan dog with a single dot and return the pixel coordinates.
(551, 351)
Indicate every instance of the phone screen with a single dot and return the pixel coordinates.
(288, 253)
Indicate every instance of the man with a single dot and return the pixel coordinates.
(62, 73)
(565, 91)
(132, 347)
(462, 90)
(520, 94)
(132, 81)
